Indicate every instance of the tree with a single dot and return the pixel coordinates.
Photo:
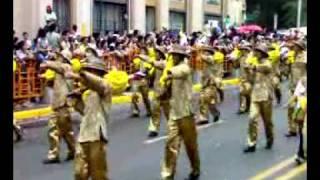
(289, 16)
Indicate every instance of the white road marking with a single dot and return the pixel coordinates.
(150, 141)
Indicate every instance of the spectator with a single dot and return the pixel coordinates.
(53, 38)
(42, 46)
(74, 32)
(65, 44)
(15, 41)
(23, 52)
(50, 17)
(26, 39)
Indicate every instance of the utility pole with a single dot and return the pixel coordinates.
(299, 13)
(275, 21)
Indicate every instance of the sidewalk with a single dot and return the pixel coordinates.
(26, 115)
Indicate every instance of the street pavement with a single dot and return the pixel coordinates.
(132, 156)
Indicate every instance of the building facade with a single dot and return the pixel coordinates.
(119, 15)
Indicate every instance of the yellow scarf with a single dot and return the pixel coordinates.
(169, 65)
(218, 57)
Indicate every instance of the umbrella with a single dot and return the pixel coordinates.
(249, 28)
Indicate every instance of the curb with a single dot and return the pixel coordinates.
(26, 115)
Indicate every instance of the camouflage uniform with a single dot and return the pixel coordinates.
(261, 103)
(141, 86)
(90, 159)
(17, 130)
(160, 99)
(276, 75)
(181, 124)
(246, 81)
(60, 125)
(218, 74)
(208, 94)
(298, 70)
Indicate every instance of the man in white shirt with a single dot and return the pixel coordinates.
(50, 17)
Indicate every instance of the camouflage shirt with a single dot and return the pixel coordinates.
(262, 86)
(95, 109)
(61, 86)
(181, 91)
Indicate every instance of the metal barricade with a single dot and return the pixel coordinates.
(26, 81)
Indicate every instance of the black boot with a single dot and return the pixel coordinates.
(193, 177)
(51, 161)
(278, 95)
(152, 134)
(18, 133)
(249, 149)
(291, 134)
(69, 157)
(221, 94)
(216, 117)
(269, 145)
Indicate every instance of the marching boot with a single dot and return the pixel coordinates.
(152, 134)
(193, 177)
(269, 145)
(51, 161)
(18, 132)
(221, 94)
(69, 157)
(291, 134)
(249, 149)
(278, 95)
(215, 113)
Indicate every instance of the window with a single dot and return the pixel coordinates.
(216, 2)
(109, 16)
(150, 19)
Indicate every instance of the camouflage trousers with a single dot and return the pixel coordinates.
(178, 130)
(244, 96)
(60, 126)
(276, 87)
(154, 124)
(292, 124)
(257, 109)
(16, 129)
(208, 101)
(144, 90)
(90, 161)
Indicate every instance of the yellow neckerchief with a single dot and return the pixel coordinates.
(252, 60)
(153, 56)
(85, 95)
(274, 56)
(236, 53)
(49, 74)
(291, 57)
(302, 100)
(152, 53)
(218, 57)
(14, 65)
(169, 65)
(276, 46)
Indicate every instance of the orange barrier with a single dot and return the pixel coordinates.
(26, 82)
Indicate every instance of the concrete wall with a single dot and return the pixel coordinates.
(81, 15)
(28, 15)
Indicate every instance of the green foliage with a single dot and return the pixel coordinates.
(262, 11)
